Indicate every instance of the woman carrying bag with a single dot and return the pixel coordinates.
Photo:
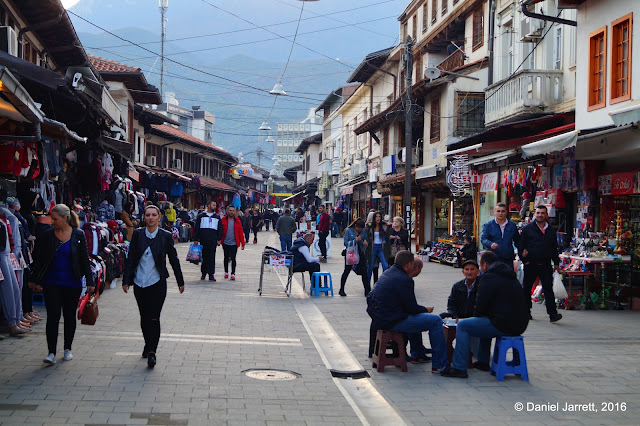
(397, 238)
(355, 236)
(378, 250)
(146, 268)
(60, 260)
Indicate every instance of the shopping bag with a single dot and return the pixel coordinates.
(353, 257)
(537, 293)
(195, 253)
(558, 287)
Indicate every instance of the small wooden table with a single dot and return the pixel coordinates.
(449, 337)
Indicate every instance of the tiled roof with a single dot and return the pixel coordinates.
(173, 132)
(107, 65)
(215, 184)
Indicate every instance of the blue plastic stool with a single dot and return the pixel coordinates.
(316, 280)
(37, 299)
(499, 364)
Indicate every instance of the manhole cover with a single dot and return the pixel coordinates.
(271, 374)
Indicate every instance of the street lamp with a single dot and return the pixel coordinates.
(264, 125)
(278, 89)
(270, 139)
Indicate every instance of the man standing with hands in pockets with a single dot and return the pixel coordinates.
(499, 235)
(207, 232)
(538, 247)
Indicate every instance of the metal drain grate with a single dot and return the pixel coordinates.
(350, 375)
(271, 374)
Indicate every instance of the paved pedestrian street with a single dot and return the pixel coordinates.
(214, 332)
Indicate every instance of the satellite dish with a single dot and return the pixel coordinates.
(431, 73)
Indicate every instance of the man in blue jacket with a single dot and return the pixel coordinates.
(392, 306)
(499, 235)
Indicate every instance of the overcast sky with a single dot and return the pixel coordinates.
(350, 29)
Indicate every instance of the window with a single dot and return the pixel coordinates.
(444, 6)
(434, 133)
(507, 51)
(557, 48)
(414, 30)
(478, 28)
(434, 11)
(405, 31)
(402, 81)
(621, 59)
(597, 69)
(419, 70)
(425, 13)
(470, 113)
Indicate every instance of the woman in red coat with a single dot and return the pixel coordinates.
(232, 236)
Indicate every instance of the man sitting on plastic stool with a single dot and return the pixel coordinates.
(500, 310)
(302, 260)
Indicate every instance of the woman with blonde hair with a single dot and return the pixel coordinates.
(60, 260)
(397, 238)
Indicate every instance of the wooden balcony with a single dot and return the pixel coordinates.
(527, 94)
(453, 61)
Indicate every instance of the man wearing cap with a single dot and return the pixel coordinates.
(463, 293)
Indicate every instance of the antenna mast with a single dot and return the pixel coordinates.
(163, 5)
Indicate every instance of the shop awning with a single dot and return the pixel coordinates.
(499, 156)
(215, 184)
(281, 194)
(178, 176)
(611, 142)
(293, 196)
(628, 115)
(119, 146)
(552, 144)
(21, 106)
(62, 130)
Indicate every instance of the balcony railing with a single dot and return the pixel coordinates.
(526, 94)
(453, 61)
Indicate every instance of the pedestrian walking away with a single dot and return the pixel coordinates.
(355, 235)
(60, 261)
(500, 235)
(286, 227)
(256, 221)
(267, 219)
(538, 248)
(232, 238)
(324, 226)
(207, 232)
(246, 223)
(146, 270)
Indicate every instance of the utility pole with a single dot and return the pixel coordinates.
(259, 153)
(408, 134)
(163, 5)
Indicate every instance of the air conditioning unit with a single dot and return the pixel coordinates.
(177, 164)
(531, 29)
(150, 160)
(358, 155)
(9, 40)
(401, 156)
(349, 160)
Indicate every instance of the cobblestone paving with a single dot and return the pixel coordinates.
(215, 331)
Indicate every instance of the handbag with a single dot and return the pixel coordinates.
(395, 248)
(194, 254)
(88, 311)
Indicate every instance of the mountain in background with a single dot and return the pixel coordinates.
(239, 108)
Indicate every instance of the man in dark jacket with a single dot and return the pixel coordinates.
(499, 311)
(392, 306)
(286, 227)
(207, 232)
(463, 293)
(324, 225)
(538, 247)
(500, 234)
(302, 259)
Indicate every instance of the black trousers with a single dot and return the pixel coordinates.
(247, 231)
(255, 232)
(27, 293)
(61, 299)
(208, 257)
(230, 253)
(311, 267)
(150, 301)
(545, 273)
(347, 271)
(266, 223)
(322, 242)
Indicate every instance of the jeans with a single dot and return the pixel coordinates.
(150, 301)
(377, 252)
(335, 230)
(322, 242)
(480, 327)
(230, 255)
(414, 325)
(60, 298)
(208, 257)
(285, 242)
(545, 273)
(266, 223)
(247, 231)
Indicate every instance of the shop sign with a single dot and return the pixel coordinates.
(622, 183)
(238, 172)
(489, 182)
(475, 177)
(388, 164)
(604, 185)
(427, 171)
(458, 174)
(373, 175)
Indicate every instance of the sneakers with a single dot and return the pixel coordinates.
(68, 356)
(421, 360)
(212, 278)
(49, 359)
(555, 318)
(323, 260)
(203, 277)
(233, 277)
(482, 366)
(151, 360)
(342, 293)
(255, 241)
(449, 371)
(226, 275)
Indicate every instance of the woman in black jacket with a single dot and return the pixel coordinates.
(397, 238)
(146, 268)
(60, 261)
